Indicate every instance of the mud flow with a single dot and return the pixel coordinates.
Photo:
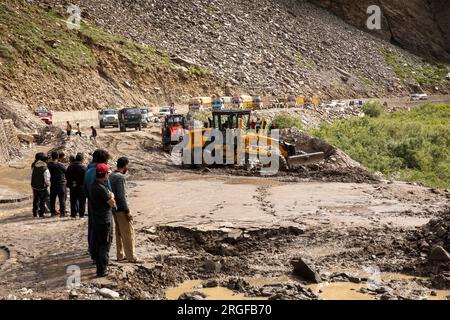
(326, 231)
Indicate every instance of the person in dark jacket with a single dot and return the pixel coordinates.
(40, 180)
(75, 182)
(99, 156)
(102, 202)
(57, 185)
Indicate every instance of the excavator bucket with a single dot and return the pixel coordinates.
(305, 159)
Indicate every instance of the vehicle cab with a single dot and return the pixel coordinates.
(108, 118)
(130, 118)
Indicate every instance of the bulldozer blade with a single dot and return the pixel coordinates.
(305, 159)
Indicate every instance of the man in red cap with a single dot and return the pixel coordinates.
(102, 203)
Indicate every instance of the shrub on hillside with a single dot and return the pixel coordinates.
(413, 145)
(285, 121)
(373, 109)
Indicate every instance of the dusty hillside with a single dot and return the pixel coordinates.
(44, 63)
(268, 46)
(420, 26)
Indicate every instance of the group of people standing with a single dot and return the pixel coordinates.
(104, 192)
(78, 132)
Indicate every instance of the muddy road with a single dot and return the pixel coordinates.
(225, 234)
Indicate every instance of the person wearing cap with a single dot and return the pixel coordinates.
(40, 180)
(99, 156)
(102, 202)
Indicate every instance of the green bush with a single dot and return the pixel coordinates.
(202, 116)
(373, 109)
(411, 144)
(284, 121)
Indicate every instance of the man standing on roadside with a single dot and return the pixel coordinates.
(78, 130)
(102, 202)
(123, 220)
(99, 156)
(75, 181)
(94, 134)
(68, 128)
(57, 184)
(40, 180)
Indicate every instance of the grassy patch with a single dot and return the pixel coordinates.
(413, 145)
(198, 71)
(43, 38)
(423, 73)
(373, 109)
(284, 121)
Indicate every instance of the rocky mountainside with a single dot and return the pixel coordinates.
(267, 46)
(420, 26)
(43, 63)
(155, 51)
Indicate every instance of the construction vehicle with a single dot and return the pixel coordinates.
(239, 121)
(130, 118)
(173, 130)
(45, 115)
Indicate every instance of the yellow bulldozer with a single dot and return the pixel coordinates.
(233, 136)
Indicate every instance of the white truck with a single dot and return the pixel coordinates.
(108, 118)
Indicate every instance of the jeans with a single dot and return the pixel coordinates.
(39, 200)
(58, 191)
(102, 245)
(77, 202)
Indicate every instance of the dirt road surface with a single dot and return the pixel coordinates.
(199, 225)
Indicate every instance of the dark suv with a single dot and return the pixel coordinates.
(130, 118)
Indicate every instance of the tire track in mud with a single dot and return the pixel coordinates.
(265, 205)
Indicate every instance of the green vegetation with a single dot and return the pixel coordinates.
(202, 116)
(198, 71)
(414, 145)
(423, 73)
(373, 109)
(42, 38)
(284, 121)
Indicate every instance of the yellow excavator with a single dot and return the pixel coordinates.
(255, 141)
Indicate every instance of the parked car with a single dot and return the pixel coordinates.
(44, 115)
(108, 118)
(163, 112)
(130, 118)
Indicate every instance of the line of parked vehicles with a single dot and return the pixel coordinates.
(131, 117)
(246, 102)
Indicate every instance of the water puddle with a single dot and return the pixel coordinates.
(217, 293)
(325, 290)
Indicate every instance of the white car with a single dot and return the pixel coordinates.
(163, 112)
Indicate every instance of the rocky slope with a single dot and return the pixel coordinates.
(267, 46)
(419, 26)
(256, 47)
(42, 63)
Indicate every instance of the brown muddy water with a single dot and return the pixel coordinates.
(325, 290)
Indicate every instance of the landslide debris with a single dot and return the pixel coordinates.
(264, 46)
